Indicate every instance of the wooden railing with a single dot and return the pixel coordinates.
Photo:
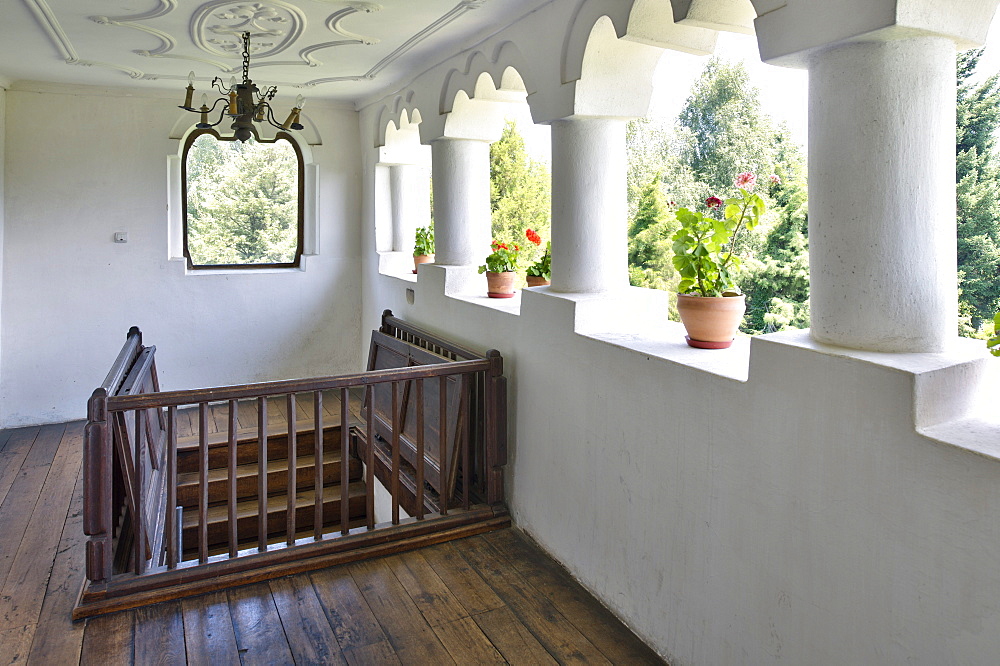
(127, 482)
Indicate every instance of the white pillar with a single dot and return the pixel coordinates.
(589, 208)
(882, 195)
(461, 169)
(410, 195)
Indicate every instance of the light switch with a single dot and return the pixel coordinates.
(121, 236)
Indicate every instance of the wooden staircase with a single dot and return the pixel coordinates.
(247, 479)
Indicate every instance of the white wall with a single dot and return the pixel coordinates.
(3, 198)
(92, 162)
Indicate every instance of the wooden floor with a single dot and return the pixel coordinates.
(494, 598)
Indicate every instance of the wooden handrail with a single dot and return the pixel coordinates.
(283, 387)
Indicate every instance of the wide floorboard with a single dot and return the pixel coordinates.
(493, 598)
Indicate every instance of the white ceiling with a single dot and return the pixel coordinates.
(332, 49)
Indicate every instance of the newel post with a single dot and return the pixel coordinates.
(97, 517)
(496, 427)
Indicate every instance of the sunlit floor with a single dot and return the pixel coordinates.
(494, 598)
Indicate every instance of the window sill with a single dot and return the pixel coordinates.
(301, 268)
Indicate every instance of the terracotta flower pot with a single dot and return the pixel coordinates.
(537, 281)
(711, 321)
(422, 259)
(500, 285)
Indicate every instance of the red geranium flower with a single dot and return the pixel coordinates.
(713, 202)
(533, 237)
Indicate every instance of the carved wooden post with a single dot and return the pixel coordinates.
(387, 328)
(496, 427)
(97, 488)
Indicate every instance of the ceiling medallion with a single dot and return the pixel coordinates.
(217, 27)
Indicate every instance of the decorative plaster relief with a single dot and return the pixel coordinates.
(216, 27)
(456, 12)
(50, 26)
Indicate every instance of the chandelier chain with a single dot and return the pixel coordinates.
(246, 57)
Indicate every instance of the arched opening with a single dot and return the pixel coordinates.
(243, 202)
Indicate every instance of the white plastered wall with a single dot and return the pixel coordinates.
(781, 502)
(3, 139)
(70, 293)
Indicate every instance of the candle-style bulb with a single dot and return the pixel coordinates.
(300, 101)
(191, 78)
(204, 99)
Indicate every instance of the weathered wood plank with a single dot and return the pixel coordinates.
(109, 640)
(159, 634)
(511, 638)
(57, 639)
(376, 654)
(467, 643)
(348, 613)
(435, 601)
(409, 634)
(559, 637)
(310, 636)
(209, 637)
(595, 621)
(28, 574)
(46, 443)
(468, 586)
(259, 634)
(4, 437)
(15, 644)
(13, 455)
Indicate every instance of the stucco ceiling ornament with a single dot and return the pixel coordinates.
(216, 27)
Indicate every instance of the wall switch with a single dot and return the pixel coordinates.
(121, 236)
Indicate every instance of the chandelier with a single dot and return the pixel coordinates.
(243, 102)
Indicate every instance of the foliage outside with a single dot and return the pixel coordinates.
(978, 196)
(720, 132)
(242, 202)
(520, 193)
(424, 242)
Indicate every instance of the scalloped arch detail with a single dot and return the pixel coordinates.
(578, 36)
(505, 57)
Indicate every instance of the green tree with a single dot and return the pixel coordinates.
(777, 283)
(520, 194)
(242, 203)
(726, 131)
(649, 253)
(977, 193)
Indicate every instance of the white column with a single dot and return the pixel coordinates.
(589, 208)
(882, 195)
(461, 169)
(410, 195)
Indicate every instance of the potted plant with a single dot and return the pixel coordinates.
(708, 300)
(540, 272)
(500, 269)
(423, 248)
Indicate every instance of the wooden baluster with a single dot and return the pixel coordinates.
(97, 487)
(420, 449)
(203, 482)
(467, 381)
(345, 462)
(171, 487)
(443, 488)
(320, 459)
(394, 489)
(370, 457)
(262, 474)
(234, 409)
(139, 524)
(293, 457)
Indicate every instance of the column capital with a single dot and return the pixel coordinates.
(790, 32)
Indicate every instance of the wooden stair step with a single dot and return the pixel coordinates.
(219, 549)
(188, 458)
(277, 478)
(246, 515)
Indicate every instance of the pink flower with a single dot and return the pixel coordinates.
(746, 180)
(775, 179)
(713, 202)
